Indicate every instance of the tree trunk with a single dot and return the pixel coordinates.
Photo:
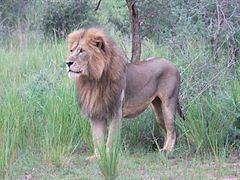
(135, 26)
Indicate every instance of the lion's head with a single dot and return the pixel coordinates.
(91, 54)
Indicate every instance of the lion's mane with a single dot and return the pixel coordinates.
(99, 93)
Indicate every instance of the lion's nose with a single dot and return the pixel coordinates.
(69, 63)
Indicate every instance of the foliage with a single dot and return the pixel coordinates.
(12, 9)
(114, 13)
(61, 17)
(207, 125)
(214, 21)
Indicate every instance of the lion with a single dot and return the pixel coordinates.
(110, 89)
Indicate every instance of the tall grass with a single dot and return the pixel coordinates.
(61, 128)
(207, 125)
(109, 158)
(38, 106)
(12, 126)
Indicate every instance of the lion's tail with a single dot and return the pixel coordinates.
(179, 109)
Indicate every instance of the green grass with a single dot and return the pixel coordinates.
(109, 159)
(38, 106)
(134, 166)
(62, 128)
(207, 125)
(43, 133)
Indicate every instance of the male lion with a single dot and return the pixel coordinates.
(109, 89)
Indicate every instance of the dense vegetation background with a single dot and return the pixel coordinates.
(38, 107)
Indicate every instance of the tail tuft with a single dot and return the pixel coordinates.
(179, 109)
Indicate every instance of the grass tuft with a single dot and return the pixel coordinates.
(109, 158)
(207, 125)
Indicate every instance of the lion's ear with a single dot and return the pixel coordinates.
(100, 43)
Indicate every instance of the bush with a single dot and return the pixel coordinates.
(11, 12)
(60, 17)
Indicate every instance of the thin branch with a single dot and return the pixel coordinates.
(99, 2)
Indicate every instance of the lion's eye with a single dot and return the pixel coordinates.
(80, 51)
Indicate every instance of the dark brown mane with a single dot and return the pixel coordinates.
(100, 97)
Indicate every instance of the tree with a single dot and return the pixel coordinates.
(135, 26)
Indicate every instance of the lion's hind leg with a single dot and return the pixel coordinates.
(165, 114)
(169, 111)
(156, 106)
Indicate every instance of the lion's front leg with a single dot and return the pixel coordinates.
(115, 125)
(114, 130)
(98, 132)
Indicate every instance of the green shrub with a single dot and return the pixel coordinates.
(60, 17)
(12, 11)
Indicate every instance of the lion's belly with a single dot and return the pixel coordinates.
(135, 104)
(131, 110)
(137, 101)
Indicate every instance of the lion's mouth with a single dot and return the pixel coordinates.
(76, 72)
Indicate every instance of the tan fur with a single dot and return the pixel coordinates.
(110, 89)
